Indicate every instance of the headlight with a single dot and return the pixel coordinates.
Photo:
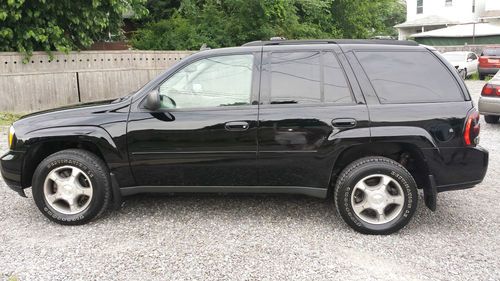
(11, 136)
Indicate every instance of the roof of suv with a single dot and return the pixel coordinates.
(332, 41)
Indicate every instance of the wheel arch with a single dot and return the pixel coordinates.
(406, 153)
(44, 142)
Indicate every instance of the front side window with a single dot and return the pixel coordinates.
(409, 77)
(210, 82)
(420, 6)
(307, 78)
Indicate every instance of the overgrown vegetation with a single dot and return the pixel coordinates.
(8, 118)
(188, 24)
(62, 25)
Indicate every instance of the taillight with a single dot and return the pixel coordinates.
(490, 90)
(472, 128)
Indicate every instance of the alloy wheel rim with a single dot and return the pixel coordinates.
(377, 199)
(68, 190)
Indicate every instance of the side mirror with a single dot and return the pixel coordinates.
(153, 100)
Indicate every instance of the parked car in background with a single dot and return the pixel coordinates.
(466, 63)
(364, 121)
(489, 62)
(489, 102)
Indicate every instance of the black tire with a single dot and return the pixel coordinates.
(362, 168)
(93, 167)
(491, 119)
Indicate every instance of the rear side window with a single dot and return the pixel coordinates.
(307, 78)
(491, 52)
(409, 77)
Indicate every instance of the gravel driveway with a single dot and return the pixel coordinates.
(248, 237)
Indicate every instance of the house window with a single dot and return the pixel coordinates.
(448, 3)
(420, 6)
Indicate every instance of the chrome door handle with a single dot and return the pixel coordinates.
(344, 122)
(237, 126)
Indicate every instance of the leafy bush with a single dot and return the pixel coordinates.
(61, 25)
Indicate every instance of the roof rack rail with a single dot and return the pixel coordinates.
(332, 41)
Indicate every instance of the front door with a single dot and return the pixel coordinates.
(205, 133)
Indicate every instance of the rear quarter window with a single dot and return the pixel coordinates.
(409, 77)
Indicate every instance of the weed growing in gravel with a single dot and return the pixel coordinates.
(7, 118)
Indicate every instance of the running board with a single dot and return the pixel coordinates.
(309, 191)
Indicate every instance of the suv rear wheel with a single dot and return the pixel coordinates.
(71, 187)
(376, 195)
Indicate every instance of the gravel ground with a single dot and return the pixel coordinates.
(248, 237)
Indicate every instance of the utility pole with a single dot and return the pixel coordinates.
(474, 33)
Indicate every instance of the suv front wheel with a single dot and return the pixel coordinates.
(376, 195)
(71, 187)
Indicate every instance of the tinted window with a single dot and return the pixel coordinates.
(335, 83)
(296, 77)
(491, 52)
(210, 82)
(407, 77)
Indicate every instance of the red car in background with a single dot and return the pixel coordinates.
(489, 62)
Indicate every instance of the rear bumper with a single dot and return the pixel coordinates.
(10, 168)
(457, 168)
(489, 106)
(488, 70)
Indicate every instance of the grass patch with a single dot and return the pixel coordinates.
(475, 77)
(7, 118)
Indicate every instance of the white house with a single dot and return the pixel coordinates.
(428, 15)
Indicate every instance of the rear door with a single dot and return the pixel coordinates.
(308, 113)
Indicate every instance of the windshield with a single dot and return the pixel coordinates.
(491, 52)
(454, 56)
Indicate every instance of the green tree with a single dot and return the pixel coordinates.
(365, 18)
(221, 23)
(61, 25)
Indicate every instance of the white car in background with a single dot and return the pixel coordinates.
(466, 63)
(489, 102)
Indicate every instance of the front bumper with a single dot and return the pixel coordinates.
(10, 168)
(489, 105)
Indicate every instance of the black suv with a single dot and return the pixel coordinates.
(367, 122)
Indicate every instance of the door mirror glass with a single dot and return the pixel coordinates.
(153, 100)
